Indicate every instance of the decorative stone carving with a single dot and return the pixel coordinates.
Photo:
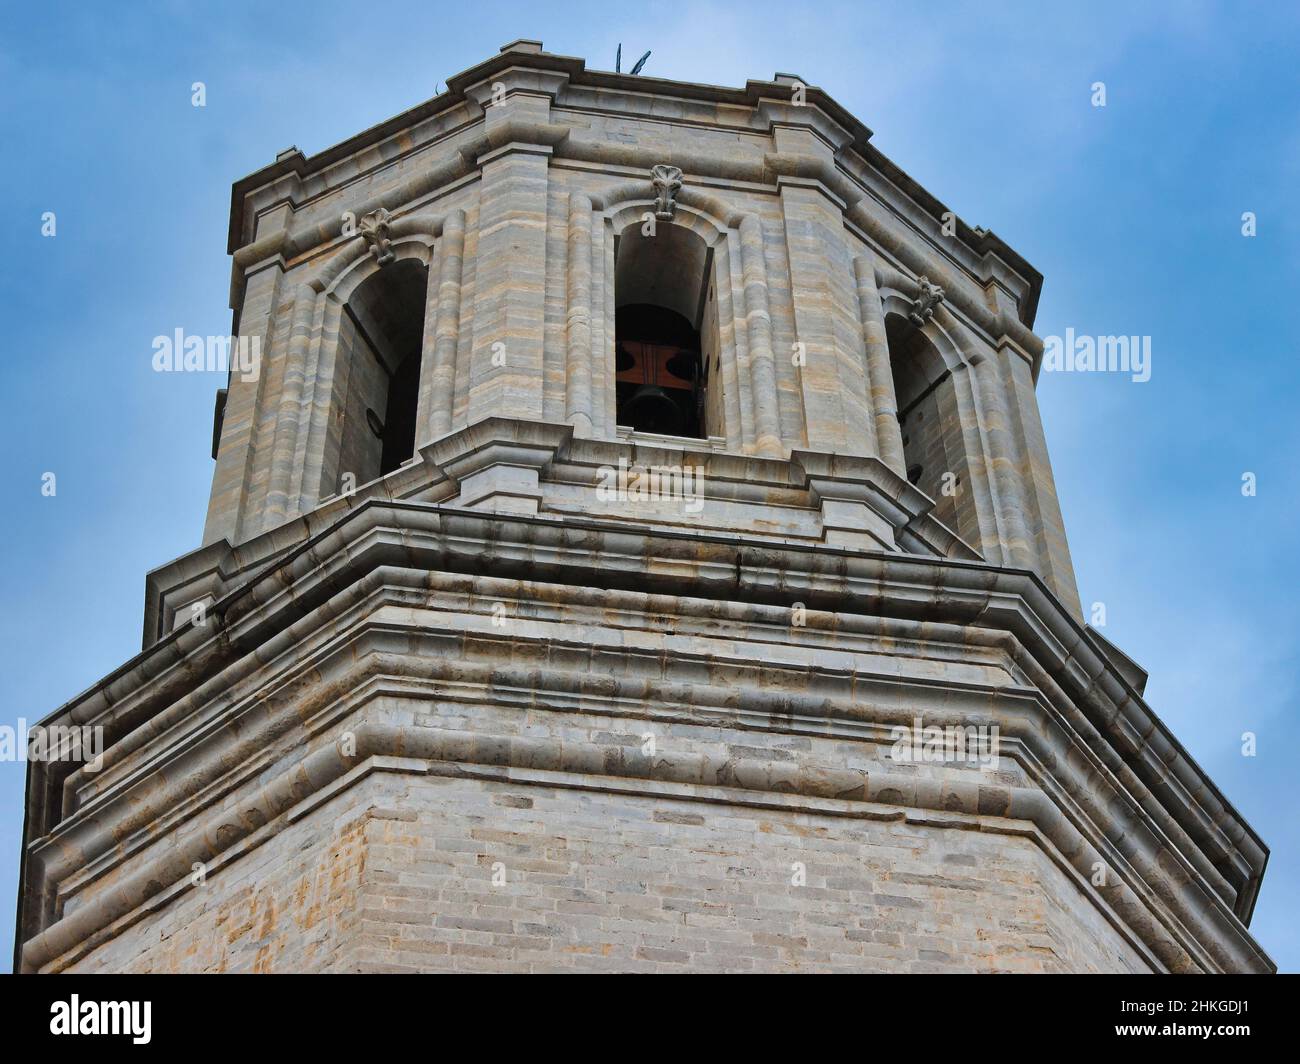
(667, 182)
(929, 297)
(373, 228)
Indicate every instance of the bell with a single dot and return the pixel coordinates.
(684, 364)
(651, 409)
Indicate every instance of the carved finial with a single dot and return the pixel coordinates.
(373, 227)
(667, 181)
(930, 296)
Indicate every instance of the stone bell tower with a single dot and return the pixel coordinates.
(635, 548)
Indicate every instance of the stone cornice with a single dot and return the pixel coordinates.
(342, 657)
(1063, 660)
(766, 101)
(805, 481)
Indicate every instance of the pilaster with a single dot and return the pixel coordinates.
(507, 359)
(829, 356)
(237, 450)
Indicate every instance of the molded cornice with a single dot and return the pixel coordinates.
(1186, 853)
(522, 67)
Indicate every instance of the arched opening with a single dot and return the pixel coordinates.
(665, 333)
(381, 332)
(928, 416)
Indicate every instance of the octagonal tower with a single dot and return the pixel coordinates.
(634, 547)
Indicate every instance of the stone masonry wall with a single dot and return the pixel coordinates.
(397, 874)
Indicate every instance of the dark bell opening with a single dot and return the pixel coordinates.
(386, 313)
(399, 419)
(659, 382)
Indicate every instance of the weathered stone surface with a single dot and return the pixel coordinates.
(554, 694)
(431, 873)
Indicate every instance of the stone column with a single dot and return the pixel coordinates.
(831, 371)
(1050, 544)
(578, 356)
(1002, 455)
(758, 324)
(506, 360)
(880, 373)
(602, 332)
(228, 506)
(288, 428)
(446, 330)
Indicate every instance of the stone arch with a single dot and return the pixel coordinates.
(939, 414)
(666, 326)
(406, 233)
(329, 349)
(622, 211)
(631, 213)
(737, 295)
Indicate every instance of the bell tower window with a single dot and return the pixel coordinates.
(665, 331)
(659, 374)
(927, 415)
(380, 337)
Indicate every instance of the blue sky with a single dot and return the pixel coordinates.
(1132, 212)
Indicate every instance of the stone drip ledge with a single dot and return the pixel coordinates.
(434, 673)
(591, 554)
(287, 602)
(638, 787)
(603, 695)
(546, 453)
(322, 772)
